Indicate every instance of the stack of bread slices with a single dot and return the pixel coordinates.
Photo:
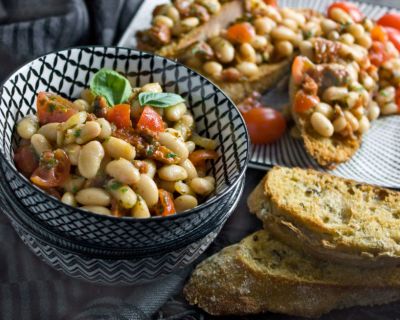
(328, 243)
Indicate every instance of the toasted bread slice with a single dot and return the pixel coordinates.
(228, 13)
(330, 217)
(328, 152)
(262, 274)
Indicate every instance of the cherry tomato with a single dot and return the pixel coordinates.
(390, 20)
(394, 36)
(271, 3)
(265, 125)
(53, 169)
(304, 102)
(378, 33)
(26, 160)
(199, 156)
(350, 8)
(53, 108)
(165, 206)
(241, 32)
(151, 120)
(299, 67)
(120, 115)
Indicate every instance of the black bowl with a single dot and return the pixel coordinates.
(68, 72)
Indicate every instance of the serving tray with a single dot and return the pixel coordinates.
(377, 162)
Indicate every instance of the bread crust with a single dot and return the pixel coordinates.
(235, 281)
(361, 229)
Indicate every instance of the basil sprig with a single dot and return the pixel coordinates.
(111, 85)
(159, 99)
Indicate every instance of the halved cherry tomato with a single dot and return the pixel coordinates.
(304, 102)
(120, 115)
(378, 33)
(26, 160)
(241, 32)
(394, 36)
(350, 8)
(165, 206)
(265, 125)
(53, 108)
(390, 20)
(53, 169)
(198, 157)
(299, 67)
(271, 3)
(151, 120)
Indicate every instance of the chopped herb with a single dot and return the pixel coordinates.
(115, 185)
(74, 189)
(171, 155)
(307, 34)
(150, 150)
(383, 93)
(77, 133)
(123, 190)
(52, 107)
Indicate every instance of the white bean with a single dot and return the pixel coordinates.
(73, 183)
(190, 145)
(123, 170)
(172, 172)
(49, 130)
(185, 202)
(373, 110)
(284, 48)
(93, 197)
(173, 14)
(223, 49)
(163, 20)
(328, 25)
(264, 25)
(90, 158)
(290, 23)
(306, 49)
(166, 185)
(339, 124)
(175, 112)
(82, 105)
(201, 186)
(389, 108)
(123, 193)
(69, 198)
(147, 189)
(182, 188)
(282, 33)
(140, 209)
(325, 109)
(89, 131)
(321, 124)
(247, 52)
(27, 126)
(118, 148)
(335, 93)
(88, 96)
(340, 16)
(364, 124)
(151, 167)
(105, 128)
(190, 169)
(289, 13)
(352, 120)
(97, 209)
(76, 119)
(40, 144)
(176, 145)
(365, 40)
(356, 30)
(190, 23)
(73, 151)
(152, 87)
(259, 42)
(249, 69)
(212, 68)
(346, 38)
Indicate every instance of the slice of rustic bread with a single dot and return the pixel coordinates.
(262, 274)
(328, 152)
(331, 217)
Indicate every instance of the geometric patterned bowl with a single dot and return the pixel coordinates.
(68, 72)
(121, 271)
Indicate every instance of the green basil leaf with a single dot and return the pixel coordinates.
(111, 85)
(159, 99)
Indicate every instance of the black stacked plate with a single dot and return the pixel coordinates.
(53, 229)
